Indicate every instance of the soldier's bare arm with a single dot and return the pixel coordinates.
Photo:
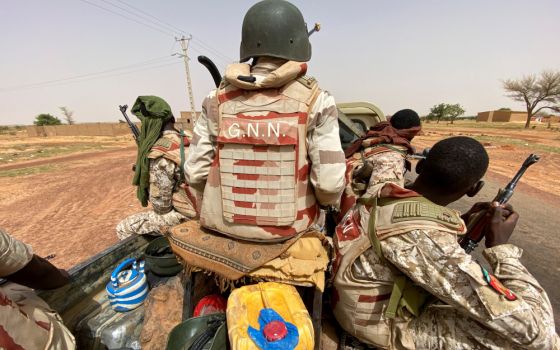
(435, 261)
(162, 182)
(18, 264)
(201, 149)
(325, 152)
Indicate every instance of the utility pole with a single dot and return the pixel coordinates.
(185, 45)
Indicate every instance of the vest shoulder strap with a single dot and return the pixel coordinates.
(163, 142)
(168, 146)
(421, 209)
(307, 81)
(405, 294)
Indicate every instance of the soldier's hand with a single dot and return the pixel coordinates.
(502, 221)
(477, 207)
(64, 273)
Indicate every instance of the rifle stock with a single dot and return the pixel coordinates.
(477, 222)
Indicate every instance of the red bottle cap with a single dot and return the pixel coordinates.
(275, 330)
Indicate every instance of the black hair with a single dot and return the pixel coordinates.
(405, 119)
(454, 164)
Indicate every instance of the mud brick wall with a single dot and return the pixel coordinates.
(89, 129)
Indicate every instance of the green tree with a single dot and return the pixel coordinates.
(533, 90)
(46, 119)
(446, 112)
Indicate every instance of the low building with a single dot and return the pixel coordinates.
(502, 116)
(551, 119)
(186, 120)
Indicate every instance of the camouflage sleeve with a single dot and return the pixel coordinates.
(387, 167)
(435, 261)
(162, 182)
(14, 254)
(201, 149)
(325, 152)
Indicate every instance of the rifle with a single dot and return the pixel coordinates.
(206, 62)
(131, 125)
(476, 224)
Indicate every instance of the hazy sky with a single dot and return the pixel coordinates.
(396, 54)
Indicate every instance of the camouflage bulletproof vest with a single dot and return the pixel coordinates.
(258, 186)
(169, 147)
(17, 326)
(362, 306)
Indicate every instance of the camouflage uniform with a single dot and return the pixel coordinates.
(171, 202)
(469, 312)
(26, 321)
(297, 169)
(388, 164)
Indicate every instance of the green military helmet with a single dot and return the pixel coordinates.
(275, 28)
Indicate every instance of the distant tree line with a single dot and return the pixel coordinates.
(445, 111)
(49, 119)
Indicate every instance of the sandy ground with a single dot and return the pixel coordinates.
(71, 211)
(507, 150)
(72, 208)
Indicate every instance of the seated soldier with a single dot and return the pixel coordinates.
(26, 321)
(266, 153)
(379, 156)
(403, 282)
(159, 171)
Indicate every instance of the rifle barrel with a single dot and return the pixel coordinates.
(476, 223)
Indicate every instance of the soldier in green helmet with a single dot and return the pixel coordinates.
(266, 149)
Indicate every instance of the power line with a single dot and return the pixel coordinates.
(182, 31)
(220, 58)
(226, 58)
(102, 77)
(162, 27)
(101, 74)
(126, 17)
(154, 17)
(143, 17)
(167, 26)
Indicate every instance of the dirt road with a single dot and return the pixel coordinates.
(71, 211)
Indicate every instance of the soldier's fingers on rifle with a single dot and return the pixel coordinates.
(508, 207)
(477, 207)
(507, 210)
(500, 230)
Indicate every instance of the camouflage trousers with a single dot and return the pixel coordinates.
(442, 327)
(147, 223)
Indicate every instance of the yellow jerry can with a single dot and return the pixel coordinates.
(255, 313)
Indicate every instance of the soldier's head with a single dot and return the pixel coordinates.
(454, 167)
(275, 28)
(405, 119)
(169, 123)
